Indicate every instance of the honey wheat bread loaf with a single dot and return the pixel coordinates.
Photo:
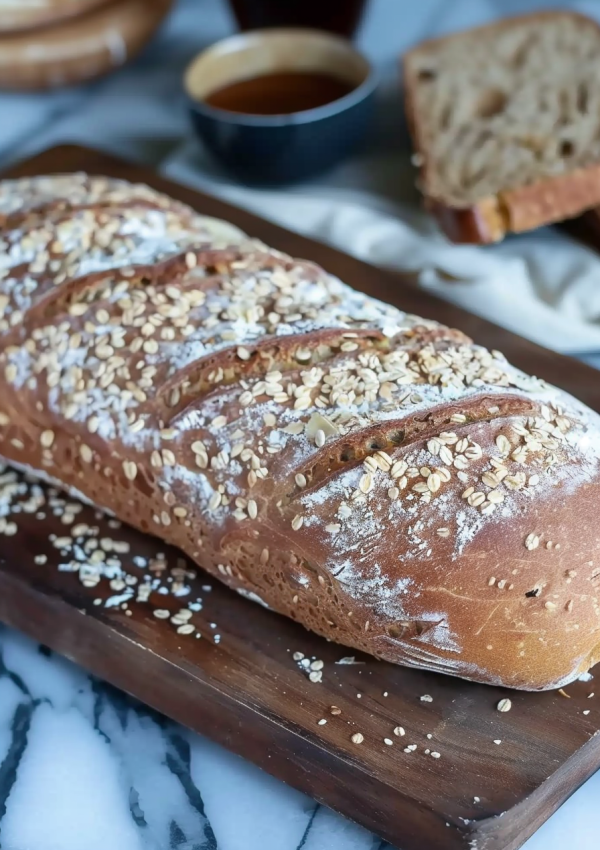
(505, 119)
(373, 475)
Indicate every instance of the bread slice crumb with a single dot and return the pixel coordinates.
(506, 122)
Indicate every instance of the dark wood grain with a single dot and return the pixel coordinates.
(247, 693)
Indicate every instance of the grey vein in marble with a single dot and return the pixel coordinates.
(83, 766)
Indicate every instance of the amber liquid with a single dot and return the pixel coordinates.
(279, 94)
(339, 16)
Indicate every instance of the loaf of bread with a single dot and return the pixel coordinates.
(505, 121)
(28, 14)
(373, 475)
(102, 38)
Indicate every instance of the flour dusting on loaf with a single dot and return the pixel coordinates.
(374, 475)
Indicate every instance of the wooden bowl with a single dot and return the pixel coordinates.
(79, 48)
(20, 15)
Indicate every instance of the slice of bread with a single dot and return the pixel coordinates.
(506, 123)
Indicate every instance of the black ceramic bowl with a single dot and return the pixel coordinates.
(288, 147)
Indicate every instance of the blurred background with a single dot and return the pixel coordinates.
(133, 55)
(140, 109)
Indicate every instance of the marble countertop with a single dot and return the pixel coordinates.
(82, 766)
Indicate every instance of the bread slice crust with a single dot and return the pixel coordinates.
(515, 208)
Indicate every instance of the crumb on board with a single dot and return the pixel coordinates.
(311, 667)
(101, 559)
(349, 659)
(563, 693)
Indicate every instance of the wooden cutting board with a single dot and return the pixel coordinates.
(498, 775)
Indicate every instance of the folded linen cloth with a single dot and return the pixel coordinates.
(542, 285)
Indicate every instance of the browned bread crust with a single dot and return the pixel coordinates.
(515, 209)
(373, 475)
(16, 15)
(82, 46)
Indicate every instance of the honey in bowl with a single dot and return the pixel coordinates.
(280, 105)
(279, 93)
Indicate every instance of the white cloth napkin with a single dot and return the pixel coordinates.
(542, 285)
